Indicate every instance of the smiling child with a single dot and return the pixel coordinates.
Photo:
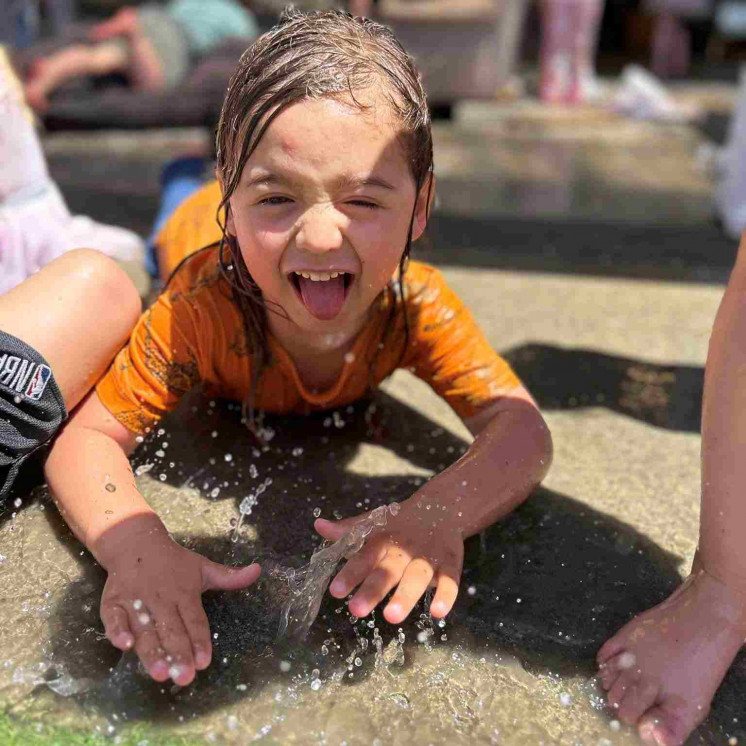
(307, 303)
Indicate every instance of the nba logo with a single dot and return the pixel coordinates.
(38, 382)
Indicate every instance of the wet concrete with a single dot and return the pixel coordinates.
(614, 354)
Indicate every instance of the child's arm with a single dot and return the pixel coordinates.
(423, 544)
(152, 598)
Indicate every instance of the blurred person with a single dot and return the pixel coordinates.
(35, 223)
(569, 37)
(154, 45)
(663, 668)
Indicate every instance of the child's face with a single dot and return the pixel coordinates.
(328, 190)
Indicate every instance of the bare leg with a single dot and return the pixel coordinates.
(585, 36)
(77, 312)
(72, 62)
(663, 668)
(556, 47)
(145, 68)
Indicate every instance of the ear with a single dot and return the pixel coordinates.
(424, 205)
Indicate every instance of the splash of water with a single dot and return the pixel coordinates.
(306, 585)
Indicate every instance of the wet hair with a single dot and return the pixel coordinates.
(307, 56)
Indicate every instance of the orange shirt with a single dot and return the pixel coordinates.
(194, 334)
(192, 225)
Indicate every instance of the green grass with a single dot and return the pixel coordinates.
(22, 732)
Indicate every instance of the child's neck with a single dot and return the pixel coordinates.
(318, 359)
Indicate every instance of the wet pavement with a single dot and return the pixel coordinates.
(586, 248)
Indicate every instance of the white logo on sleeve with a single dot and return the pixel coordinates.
(23, 377)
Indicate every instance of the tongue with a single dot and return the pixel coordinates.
(323, 299)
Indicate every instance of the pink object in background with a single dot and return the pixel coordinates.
(35, 223)
(569, 35)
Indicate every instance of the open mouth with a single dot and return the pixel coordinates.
(322, 293)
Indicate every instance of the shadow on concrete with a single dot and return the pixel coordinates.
(550, 582)
(667, 396)
(684, 253)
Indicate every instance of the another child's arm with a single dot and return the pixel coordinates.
(423, 544)
(663, 667)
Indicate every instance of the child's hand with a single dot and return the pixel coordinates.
(152, 599)
(418, 548)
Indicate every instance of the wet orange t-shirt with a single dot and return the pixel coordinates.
(194, 334)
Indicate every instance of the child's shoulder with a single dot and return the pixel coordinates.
(199, 278)
(423, 283)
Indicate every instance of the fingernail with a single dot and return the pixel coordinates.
(338, 588)
(160, 667)
(439, 609)
(201, 657)
(394, 610)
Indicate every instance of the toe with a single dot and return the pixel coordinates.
(665, 725)
(612, 647)
(637, 700)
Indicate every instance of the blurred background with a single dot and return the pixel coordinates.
(592, 136)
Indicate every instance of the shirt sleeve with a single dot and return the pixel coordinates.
(156, 368)
(449, 351)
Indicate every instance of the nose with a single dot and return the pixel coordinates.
(320, 230)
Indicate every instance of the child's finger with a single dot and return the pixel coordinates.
(412, 586)
(358, 568)
(151, 654)
(379, 582)
(175, 641)
(334, 530)
(116, 626)
(217, 577)
(198, 629)
(446, 592)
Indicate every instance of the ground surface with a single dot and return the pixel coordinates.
(585, 246)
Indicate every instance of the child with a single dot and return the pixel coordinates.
(59, 330)
(325, 166)
(154, 45)
(663, 668)
(35, 224)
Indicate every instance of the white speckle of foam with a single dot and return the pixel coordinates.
(143, 619)
(285, 666)
(137, 604)
(565, 699)
(615, 725)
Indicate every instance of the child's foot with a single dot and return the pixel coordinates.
(123, 23)
(662, 669)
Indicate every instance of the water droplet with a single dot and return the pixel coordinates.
(471, 590)
(297, 451)
(17, 502)
(137, 604)
(162, 477)
(110, 487)
(316, 512)
(228, 457)
(615, 725)
(565, 699)
(285, 666)
(316, 684)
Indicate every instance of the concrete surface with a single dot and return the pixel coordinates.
(598, 273)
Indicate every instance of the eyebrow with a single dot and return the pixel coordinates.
(344, 182)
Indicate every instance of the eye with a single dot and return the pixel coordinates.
(363, 203)
(275, 201)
